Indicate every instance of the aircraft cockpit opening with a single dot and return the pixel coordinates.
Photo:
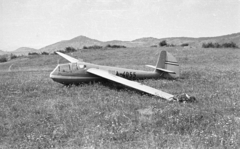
(64, 68)
(70, 67)
(82, 66)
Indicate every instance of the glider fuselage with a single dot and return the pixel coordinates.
(76, 73)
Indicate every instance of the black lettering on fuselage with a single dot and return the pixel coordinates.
(127, 75)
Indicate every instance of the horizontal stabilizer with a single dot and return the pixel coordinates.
(161, 69)
(69, 58)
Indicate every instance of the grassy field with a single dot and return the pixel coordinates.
(36, 112)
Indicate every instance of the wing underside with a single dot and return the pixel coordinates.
(147, 89)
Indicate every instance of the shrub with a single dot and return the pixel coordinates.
(3, 59)
(217, 45)
(163, 43)
(70, 49)
(33, 53)
(12, 56)
(208, 45)
(45, 53)
(93, 47)
(115, 46)
(229, 45)
(184, 44)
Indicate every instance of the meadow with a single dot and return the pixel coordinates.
(36, 112)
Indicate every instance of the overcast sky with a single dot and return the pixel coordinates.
(38, 23)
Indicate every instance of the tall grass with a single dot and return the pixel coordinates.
(39, 113)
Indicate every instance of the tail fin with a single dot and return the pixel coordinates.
(167, 63)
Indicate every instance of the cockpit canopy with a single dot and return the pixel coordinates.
(70, 67)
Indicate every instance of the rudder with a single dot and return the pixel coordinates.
(168, 62)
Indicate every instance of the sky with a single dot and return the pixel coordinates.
(38, 23)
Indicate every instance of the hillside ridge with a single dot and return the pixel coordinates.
(80, 41)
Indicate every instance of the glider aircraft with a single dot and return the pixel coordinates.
(78, 71)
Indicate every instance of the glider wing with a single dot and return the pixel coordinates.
(105, 74)
(69, 58)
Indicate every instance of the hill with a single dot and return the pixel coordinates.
(24, 51)
(146, 41)
(81, 41)
(77, 43)
(197, 42)
(223, 39)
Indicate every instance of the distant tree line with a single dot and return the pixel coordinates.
(93, 47)
(33, 53)
(115, 46)
(45, 53)
(71, 49)
(204, 45)
(217, 45)
(67, 50)
(5, 58)
(165, 44)
(184, 44)
(101, 47)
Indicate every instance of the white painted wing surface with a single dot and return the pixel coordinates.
(105, 74)
(69, 58)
